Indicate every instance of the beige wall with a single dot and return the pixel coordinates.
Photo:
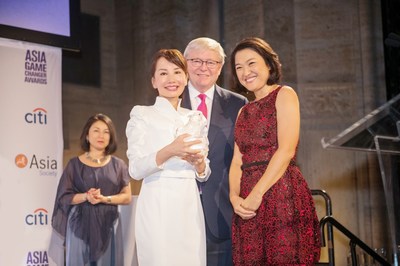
(331, 53)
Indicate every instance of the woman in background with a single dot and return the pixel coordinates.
(91, 187)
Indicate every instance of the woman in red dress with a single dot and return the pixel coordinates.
(275, 222)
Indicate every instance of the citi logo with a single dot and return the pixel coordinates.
(37, 258)
(37, 116)
(39, 217)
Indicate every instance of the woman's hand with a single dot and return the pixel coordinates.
(194, 159)
(94, 196)
(183, 148)
(244, 213)
(252, 202)
(199, 164)
(179, 147)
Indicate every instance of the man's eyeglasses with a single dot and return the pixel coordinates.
(196, 62)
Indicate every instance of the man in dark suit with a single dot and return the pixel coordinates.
(205, 59)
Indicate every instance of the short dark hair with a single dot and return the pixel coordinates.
(112, 145)
(265, 51)
(173, 56)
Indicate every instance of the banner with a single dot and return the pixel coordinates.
(31, 149)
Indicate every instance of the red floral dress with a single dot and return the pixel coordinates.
(285, 230)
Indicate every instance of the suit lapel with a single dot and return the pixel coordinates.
(216, 115)
(186, 99)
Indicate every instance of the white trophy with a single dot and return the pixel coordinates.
(196, 126)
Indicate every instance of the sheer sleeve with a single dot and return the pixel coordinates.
(124, 177)
(62, 204)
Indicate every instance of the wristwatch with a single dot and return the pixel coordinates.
(108, 199)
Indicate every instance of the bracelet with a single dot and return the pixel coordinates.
(202, 173)
(108, 199)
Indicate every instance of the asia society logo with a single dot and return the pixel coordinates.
(37, 258)
(37, 116)
(21, 161)
(46, 166)
(38, 217)
(35, 67)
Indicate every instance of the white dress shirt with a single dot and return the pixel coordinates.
(195, 100)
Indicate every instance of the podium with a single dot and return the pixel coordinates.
(379, 132)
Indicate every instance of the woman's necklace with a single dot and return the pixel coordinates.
(98, 160)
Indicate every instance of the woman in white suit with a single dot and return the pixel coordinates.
(169, 227)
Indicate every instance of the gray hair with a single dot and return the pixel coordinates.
(204, 43)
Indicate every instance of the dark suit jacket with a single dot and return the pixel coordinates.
(215, 192)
